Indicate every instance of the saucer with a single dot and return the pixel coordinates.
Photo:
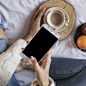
(66, 18)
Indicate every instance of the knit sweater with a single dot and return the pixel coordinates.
(9, 61)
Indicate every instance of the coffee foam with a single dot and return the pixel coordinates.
(56, 19)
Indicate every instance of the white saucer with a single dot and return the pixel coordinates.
(66, 18)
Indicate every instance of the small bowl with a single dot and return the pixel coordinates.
(79, 33)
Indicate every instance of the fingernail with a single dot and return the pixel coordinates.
(32, 58)
(27, 42)
(22, 48)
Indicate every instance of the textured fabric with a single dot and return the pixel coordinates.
(1, 26)
(25, 77)
(3, 45)
(17, 15)
(34, 83)
(9, 61)
(68, 72)
(13, 81)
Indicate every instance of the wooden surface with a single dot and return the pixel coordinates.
(69, 9)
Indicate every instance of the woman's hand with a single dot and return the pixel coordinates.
(34, 27)
(35, 23)
(42, 69)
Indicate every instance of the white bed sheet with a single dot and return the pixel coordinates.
(17, 14)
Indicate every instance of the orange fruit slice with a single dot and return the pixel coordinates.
(81, 42)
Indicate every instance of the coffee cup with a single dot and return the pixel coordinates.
(56, 19)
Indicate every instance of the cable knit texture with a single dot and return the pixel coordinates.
(9, 61)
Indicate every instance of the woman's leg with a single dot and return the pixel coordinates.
(3, 45)
(3, 39)
(3, 35)
(68, 72)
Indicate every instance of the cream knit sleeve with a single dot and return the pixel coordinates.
(9, 61)
(51, 82)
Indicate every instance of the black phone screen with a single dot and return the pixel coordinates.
(40, 44)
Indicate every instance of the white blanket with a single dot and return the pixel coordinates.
(16, 16)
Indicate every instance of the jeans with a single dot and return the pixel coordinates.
(65, 72)
(68, 72)
(3, 44)
(13, 81)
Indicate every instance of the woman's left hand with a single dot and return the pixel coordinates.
(42, 70)
(35, 23)
(34, 27)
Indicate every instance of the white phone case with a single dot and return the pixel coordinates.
(57, 35)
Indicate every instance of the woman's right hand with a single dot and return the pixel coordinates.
(42, 69)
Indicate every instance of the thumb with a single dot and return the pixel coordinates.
(35, 63)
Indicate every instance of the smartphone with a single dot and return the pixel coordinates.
(41, 43)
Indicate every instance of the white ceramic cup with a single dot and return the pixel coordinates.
(62, 23)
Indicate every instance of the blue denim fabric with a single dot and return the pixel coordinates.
(3, 45)
(1, 26)
(13, 81)
(68, 72)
